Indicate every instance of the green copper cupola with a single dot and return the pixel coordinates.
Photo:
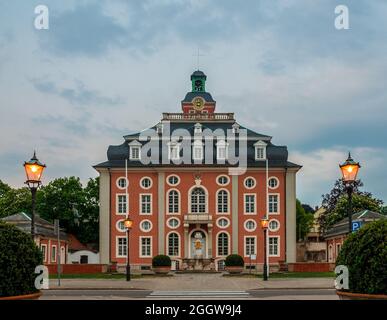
(198, 79)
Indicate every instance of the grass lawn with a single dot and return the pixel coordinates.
(286, 275)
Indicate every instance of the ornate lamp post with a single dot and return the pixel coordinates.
(265, 225)
(128, 223)
(34, 171)
(349, 170)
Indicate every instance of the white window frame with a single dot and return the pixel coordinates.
(245, 180)
(245, 246)
(173, 228)
(278, 203)
(124, 245)
(278, 246)
(142, 229)
(258, 145)
(330, 253)
(197, 145)
(150, 204)
(220, 176)
(132, 146)
(222, 144)
(228, 243)
(173, 175)
(244, 203)
(245, 225)
(117, 203)
(118, 185)
(151, 183)
(140, 246)
(190, 200)
(178, 203)
(274, 230)
(275, 178)
(217, 201)
(172, 145)
(45, 251)
(56, 253)
(178, 244)
(117, 226)
(223, 227)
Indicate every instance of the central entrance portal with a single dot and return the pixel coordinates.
(198, 245)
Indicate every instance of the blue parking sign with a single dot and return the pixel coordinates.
(356, 225)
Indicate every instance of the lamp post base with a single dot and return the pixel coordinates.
(127, 273)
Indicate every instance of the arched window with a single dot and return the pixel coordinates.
(173, 201)
(198, 201)
(222, 201)
(223, 244)
(173, 244)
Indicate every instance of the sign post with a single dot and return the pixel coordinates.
(57, 231)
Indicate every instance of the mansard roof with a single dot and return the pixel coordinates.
(277, 155)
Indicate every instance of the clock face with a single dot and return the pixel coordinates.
(198, 103)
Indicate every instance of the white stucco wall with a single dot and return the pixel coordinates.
(75, 257)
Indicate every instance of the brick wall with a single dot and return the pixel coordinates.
(311, 267)
(78, 268)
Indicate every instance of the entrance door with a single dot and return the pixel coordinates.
(198, 245)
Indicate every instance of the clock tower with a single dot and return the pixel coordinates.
(198, 100)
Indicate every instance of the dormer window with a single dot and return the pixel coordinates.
(198, 128)
(135, 150)
(221, 150)
(197, 150)
(235, 128)
(260, 150)
(173, 151)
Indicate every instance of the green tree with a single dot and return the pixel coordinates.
(336, 203)
(14, 201)
(384, 210)
(304, 220)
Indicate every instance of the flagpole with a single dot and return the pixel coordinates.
(127, 206)
(267, 215)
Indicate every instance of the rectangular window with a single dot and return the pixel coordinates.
(273, 203)
(121, 247)
(53, 254)
(221, 153)
(198, 153)
(134, 153)
(43, 248)
(145, 246)
(249, 246)
(174, 152)
(145, 204)
(274, 246)
(260, 153)
(121, 204)
(173, 202)
(250, 203)
(222, 201)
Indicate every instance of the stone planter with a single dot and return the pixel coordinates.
(343, 295)
(31, 296)
(161, 270)
(234, 269)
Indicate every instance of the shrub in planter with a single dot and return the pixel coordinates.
(365, 255)
(234, 263)
(161, 264)
(234, 260)
(19, 256)
(161, 261)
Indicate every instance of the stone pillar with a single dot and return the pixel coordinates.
(209, 250)
(234, 200)
(186, 240)
(161, 216)
(291, 216)
(104, 216)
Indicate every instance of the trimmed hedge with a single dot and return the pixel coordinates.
(365, 255)
(234, 260)
(19, 256)
(161, 261)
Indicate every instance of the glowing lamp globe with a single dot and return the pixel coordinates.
(34, 171)
(349, 169)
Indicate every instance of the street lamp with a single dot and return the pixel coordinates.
(349, 170)
(34, 171)
(128, 223)
(265, 225)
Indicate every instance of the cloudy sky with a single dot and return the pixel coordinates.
(108, 68)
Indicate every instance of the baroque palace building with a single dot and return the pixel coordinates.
(196, 186)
